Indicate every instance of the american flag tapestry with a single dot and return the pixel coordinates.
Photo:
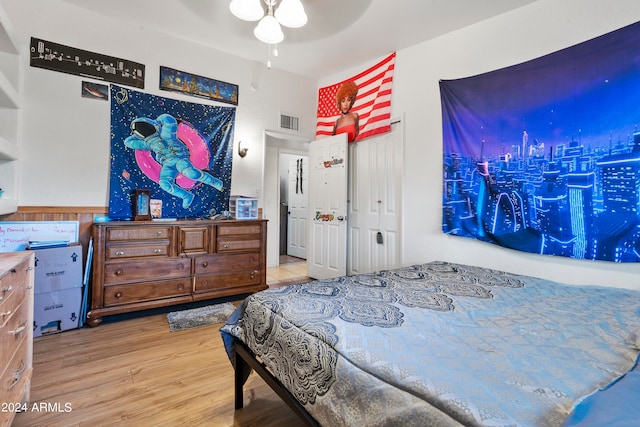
(359, 106)
(544, 156)
(181, 151)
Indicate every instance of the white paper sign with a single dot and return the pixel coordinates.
(15, 236)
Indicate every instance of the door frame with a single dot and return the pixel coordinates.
(284, 144)
(299, 145)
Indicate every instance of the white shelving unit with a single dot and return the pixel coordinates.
(9, 116)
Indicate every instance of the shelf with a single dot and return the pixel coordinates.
(7, 43)
(8, 150)
(8, 94)
(10, 101)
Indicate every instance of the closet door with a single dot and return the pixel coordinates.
(375, 201)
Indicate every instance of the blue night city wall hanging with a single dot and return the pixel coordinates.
(181, 151)
(544, 156)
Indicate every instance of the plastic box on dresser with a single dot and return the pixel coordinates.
(243, 207)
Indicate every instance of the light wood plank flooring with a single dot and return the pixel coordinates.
(135, 372)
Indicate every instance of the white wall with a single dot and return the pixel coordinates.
(526, 33)
(65, 138)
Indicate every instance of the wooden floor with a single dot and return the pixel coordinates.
(135, 372)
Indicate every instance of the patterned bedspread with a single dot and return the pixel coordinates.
(441, 344)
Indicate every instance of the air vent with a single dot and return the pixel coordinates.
(289, 122)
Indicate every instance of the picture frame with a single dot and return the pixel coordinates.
(95, 91)
(141, 205)
(78, 62)
(202, 87)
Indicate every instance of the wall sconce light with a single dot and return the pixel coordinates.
(242, 151)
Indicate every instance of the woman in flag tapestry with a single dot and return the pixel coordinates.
(369, 113)
(348, 122)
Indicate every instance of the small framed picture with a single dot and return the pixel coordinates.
(95, 91)
(142, 205)
(156, 208)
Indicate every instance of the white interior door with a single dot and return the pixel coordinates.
(298, 209)
(375, 200)
(327, 249)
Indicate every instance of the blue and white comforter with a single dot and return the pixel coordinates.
(441, 344)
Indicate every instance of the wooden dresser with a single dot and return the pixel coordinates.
(139, 265)
(16, 332)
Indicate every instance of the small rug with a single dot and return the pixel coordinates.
(197, 317)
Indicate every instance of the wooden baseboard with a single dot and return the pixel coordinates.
(83, 214)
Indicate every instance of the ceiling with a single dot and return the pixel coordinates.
(339, 35)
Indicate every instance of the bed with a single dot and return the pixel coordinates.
(441, 344)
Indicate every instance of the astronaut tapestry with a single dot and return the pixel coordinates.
(181, 151)
(544, 156)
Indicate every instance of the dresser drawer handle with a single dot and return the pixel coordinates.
(157, 251)
(158, 233)
(118, 295)
(119, 253)
(180, 287)
(6, 313)
(226, 246)
(205, 264)
(17, 374)
(14, 383)
(22, 367)
(7, 289)
(119, 272)
(19, 329)
(180, 267)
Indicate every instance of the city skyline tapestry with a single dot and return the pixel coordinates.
(544, 156)
(181, 151)
(359, 106)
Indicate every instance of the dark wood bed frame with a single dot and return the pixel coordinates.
(245, 359)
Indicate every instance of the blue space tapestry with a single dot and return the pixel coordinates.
(181, 151)
(544, 156)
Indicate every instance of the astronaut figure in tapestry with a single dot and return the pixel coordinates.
(171, 155)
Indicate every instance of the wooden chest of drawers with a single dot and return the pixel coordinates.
(16, 331)
(147, 264)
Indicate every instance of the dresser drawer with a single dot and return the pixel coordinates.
(116, 234)
(15, 329)
(219, 263)
(166, 268)
(146, 291)
(230, 244)
(16, 375)
(160, 248)
(239, 230)
(13, 279)
(223, 281)
(9, 305)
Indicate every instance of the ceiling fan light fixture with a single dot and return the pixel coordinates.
(247, 10)
(268, 30)
(290, 13)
